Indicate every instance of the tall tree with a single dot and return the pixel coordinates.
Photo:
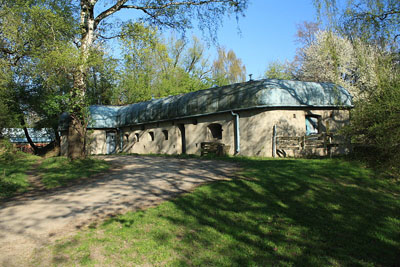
(164, 13)
(228, 68)
(279, 70)
(352, 64)
(154, 67)
(375, 119)
(374, 21)
(32, 33)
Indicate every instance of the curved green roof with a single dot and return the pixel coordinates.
(240, 96)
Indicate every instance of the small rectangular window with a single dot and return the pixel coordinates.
(151, 134)
(165, 132)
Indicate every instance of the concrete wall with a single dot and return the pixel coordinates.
(96, 142)
(256, 129)
(138, 139)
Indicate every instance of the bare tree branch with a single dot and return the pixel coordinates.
(110, 37)
(121, 5)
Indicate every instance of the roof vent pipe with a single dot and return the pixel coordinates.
(237, 133)
(250, 79)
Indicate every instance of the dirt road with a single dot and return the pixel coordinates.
(134, 183)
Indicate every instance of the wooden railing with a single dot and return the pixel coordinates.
(301, 143)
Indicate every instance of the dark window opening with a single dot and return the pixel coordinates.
(137, 137)
(165, 132)
(215, 130)
(127, 138)
(312, 124)
(151, 134)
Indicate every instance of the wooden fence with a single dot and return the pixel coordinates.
(305, 143)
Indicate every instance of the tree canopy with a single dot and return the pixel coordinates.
(370, 30)
(228, 68)
(56, 51)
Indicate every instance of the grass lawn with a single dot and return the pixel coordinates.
(59, 171)
(52, 172)
(280, 213)
(13, 168)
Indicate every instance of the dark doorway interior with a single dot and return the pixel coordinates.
(111, 142)
(183, 137)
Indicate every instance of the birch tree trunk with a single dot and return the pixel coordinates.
(78, 122)
(160, 12)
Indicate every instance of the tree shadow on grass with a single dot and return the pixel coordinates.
(316, 212)
(60, 171)
(280, 212)
(13, 178)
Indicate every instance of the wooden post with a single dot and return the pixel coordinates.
(274, 141)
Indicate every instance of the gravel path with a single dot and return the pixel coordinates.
(135, 182)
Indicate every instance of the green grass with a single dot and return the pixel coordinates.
(59, 171)
(281, 213)
(52, 172)
(13, 168)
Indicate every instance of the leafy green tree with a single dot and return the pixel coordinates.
(372, 30)
(279, 70)
(32, 33)
(178, 15)
(144, 57)
(373, 21)
(228, 68)
(375, 128)
(154, 67)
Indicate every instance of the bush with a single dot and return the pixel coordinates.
(7, 150)
(375, 127)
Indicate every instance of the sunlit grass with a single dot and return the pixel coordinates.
(281, 212)
(51, 172)
(59, 171)
(13, 168)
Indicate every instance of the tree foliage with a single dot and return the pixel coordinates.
(228, 68)
(375, 128)
(33, 78)
(371, 31)
(279, 70)
(351, 64)
(94, 25)
(374, 21)
(155, 67)
(55, 51)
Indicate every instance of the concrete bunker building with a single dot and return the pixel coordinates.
(256, 118)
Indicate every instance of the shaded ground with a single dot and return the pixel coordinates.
(291, 212)
(134, 183)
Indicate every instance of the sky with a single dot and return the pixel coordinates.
(267, 32)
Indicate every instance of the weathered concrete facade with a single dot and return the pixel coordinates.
(254, 130)
(256, 133)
